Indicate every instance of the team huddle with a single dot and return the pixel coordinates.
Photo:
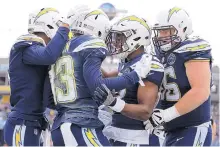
(158, 96)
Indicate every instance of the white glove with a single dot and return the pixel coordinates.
(159, 117)
(59, 20)
(143, 67)
(158, 131)
(74, 13)
(105, 117)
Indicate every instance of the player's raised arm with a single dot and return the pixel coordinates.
(47, 38)
(47, 55)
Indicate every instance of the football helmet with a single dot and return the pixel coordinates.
(91, 22)
(47, 20)
(127, 35)
(31, 19)
(171, 28)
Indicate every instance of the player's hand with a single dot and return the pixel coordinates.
(103, 96)
(142, 67)
(60, 21)
(158, 131)
(155, 120)
(159, 117)
(74, 13)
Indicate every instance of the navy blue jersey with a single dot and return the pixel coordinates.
(76, 75)
(28, 67)
(176, 84)
(129, 95)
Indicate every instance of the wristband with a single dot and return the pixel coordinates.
(170, 114)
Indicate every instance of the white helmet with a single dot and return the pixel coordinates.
(175, 19)
(47, 20)
(127, 35)
(91, 22)
(31, 19)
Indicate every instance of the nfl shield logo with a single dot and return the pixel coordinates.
(171, 59)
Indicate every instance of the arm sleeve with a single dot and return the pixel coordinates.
(39, 55)
(93, 77)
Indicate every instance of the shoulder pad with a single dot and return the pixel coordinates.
(91, 42)
(26, 41)
(194, 44)
(30, 38)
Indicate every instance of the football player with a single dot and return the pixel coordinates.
(185, 94)
(28, 65)
(127, 39)
(75, 77)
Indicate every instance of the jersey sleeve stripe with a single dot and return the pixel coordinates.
(156, 66)
(193, 47)
(200, 60)
(95, 43)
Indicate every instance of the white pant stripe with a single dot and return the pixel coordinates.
(69, 139)
(18, 135)
(200, 136)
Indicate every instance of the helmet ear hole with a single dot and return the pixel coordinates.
(96, 17)
(136, 39)
(50, 27)
(99, 33)
(184, 30)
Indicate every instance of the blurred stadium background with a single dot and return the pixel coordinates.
(109, 64)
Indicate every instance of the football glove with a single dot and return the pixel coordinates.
(159, 117)
(159, 132)
(103, 96)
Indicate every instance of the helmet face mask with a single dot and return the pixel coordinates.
(165, 38)
(116, 42)
(173, 26)
(127, 35)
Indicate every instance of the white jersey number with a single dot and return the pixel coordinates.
(170, 90)
(63, 81)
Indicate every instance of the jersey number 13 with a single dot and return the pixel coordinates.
(63, 81)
